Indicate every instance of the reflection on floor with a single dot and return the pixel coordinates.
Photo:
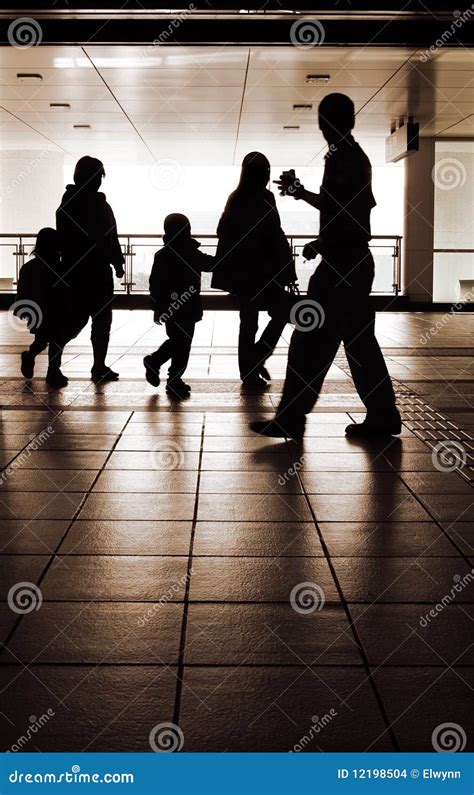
(161, 564)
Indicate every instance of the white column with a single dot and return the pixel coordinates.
(418, 235)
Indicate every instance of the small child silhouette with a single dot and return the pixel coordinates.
(38, 298)
(175, 289)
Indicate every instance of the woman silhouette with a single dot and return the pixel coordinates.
(254, 262)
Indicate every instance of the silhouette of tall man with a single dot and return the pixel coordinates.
(339, 289)
(89, 245)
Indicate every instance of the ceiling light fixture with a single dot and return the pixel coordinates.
(318, 78)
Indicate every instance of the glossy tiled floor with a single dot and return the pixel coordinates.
(258, 595)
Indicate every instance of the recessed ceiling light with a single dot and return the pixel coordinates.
(81, 126)
(291, 126)
(59, 105)
(303, 106)
(29, 77)
(318, 78)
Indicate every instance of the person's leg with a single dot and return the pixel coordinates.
(181, 336)
(247, 333)
(100, 306)
(40, 342)
(54, 376)
(278, 303)
(313, 347)
(369, 370)
(155, 360)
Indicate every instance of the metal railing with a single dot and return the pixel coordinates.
(138, 249)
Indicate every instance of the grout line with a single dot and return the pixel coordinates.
(184, 625)
(345, 605)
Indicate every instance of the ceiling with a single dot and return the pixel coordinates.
(212, 104)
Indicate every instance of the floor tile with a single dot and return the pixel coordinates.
(163, 458)
(146, 443)
(357, 508)
(416, 634)
(450, 507)
(386, 539)
(401, 579)
(110, 578)
(141, 481)
(345, 483)
(415, 700)
(255, 507)
(462, 533)
(39, 505)
(127, 538)
(18, 569)
(268, 634)
(137, 506)
(257, 579)
(99, 633)
(31, 536)
(249, 483)
(246, 462)
(436, 483)
(61, 459)
(80, 441)
(254, 539)
(128, 703)
(268, 709)
(49, 480)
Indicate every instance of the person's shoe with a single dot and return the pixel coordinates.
(262, 370)
(27, 364)
(254, 382)
(274, 429)
(151, 375)
(368, 429)
(55, 378)
(178, 389)
(105, 374)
